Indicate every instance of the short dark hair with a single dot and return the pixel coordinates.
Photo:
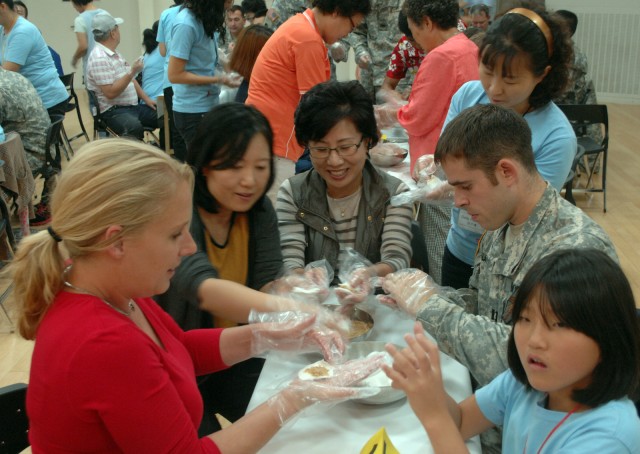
(250, 42)
(326, 104)
(569, 17)
(234, 8)
(443, 13)
(588, 292)
(484, 134)
(20, 3)
(514, 34)
(344, 8)
(9, 3)
(403, 25)
(223, 135)
(258, 7)
(480, 8)
(81, 2)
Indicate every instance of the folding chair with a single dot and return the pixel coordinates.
(74, 103)
(568, 184)
(581, 116)
(7, 246)
(99, 125)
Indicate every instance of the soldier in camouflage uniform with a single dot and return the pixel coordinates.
(281, 10)
(22, 111)
(472, 325)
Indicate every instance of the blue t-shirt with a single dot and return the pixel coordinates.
(189, 42)
(82, 24)
(152, 74)
(164, 36)
(554, 146)
(25, 46)
(2, 136)
(610, 428)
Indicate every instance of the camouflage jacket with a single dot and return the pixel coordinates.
(472, 325)
(22, 111)
(281, 10)
(377, 35)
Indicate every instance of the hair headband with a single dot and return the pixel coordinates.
(540, 23)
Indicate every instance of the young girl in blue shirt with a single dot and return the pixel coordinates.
(574, 361)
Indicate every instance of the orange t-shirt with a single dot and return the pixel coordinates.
(292, 61)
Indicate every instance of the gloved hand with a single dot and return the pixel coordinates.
(384, 95)
(231, 79)
(223, 58)
(137, 66)
(424, 168)
(300, 394)
(356, 281)
(387, 113)
(310, 286)
(432, 188)
(338, 52)
(294, 331)
(408, 290)
(364, 60)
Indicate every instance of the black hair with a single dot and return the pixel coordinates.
(234, 8)
(81, 2)
(149, 36)
(344, 8)
(569, 17)
(20, 3)
(258, 7)
(327, 103)
(587, 292)
(223, 135)
(403, 25)
(514, 34)
(9, 3)
(210, 13)
(443, 13)
(484, 134)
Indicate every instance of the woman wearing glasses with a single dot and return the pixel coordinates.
(343, 202)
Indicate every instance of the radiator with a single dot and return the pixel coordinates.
(611, 41)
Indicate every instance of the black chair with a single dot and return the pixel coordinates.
(581, 116)
(568, 184)
(7, 246)
(99, 125)
(67, 80)
(14, 424)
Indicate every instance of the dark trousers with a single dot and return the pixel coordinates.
(177, 144)
(455, 272)
(187, 125)
(130, 120)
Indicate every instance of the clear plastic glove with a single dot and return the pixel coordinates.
(310, 286)
(294, 332)
(384, 95)
(137, 66)
(357, 283)
(223, 58)
(231, 79)
(432, 187)
(364, 60)
(301, 394)
(387, 113)
(338, 52)
(408, 290)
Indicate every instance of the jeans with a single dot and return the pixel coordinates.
(130, 120)
(186, 125)
(455, 272)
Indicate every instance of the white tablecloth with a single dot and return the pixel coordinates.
(346, 427)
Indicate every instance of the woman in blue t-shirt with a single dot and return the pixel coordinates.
(525, 59)
(192, 61)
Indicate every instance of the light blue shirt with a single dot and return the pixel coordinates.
(189, 42)
(152, 74)
(610, 428)
(82, 24)
(25, 46)
(164, 36)
(554, 147)
(2, 136)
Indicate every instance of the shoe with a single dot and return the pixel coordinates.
(43, 215)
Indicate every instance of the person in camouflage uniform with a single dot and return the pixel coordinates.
(281, 10)
(22, 111)
(473, 325)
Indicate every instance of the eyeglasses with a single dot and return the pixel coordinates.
(342, 150)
